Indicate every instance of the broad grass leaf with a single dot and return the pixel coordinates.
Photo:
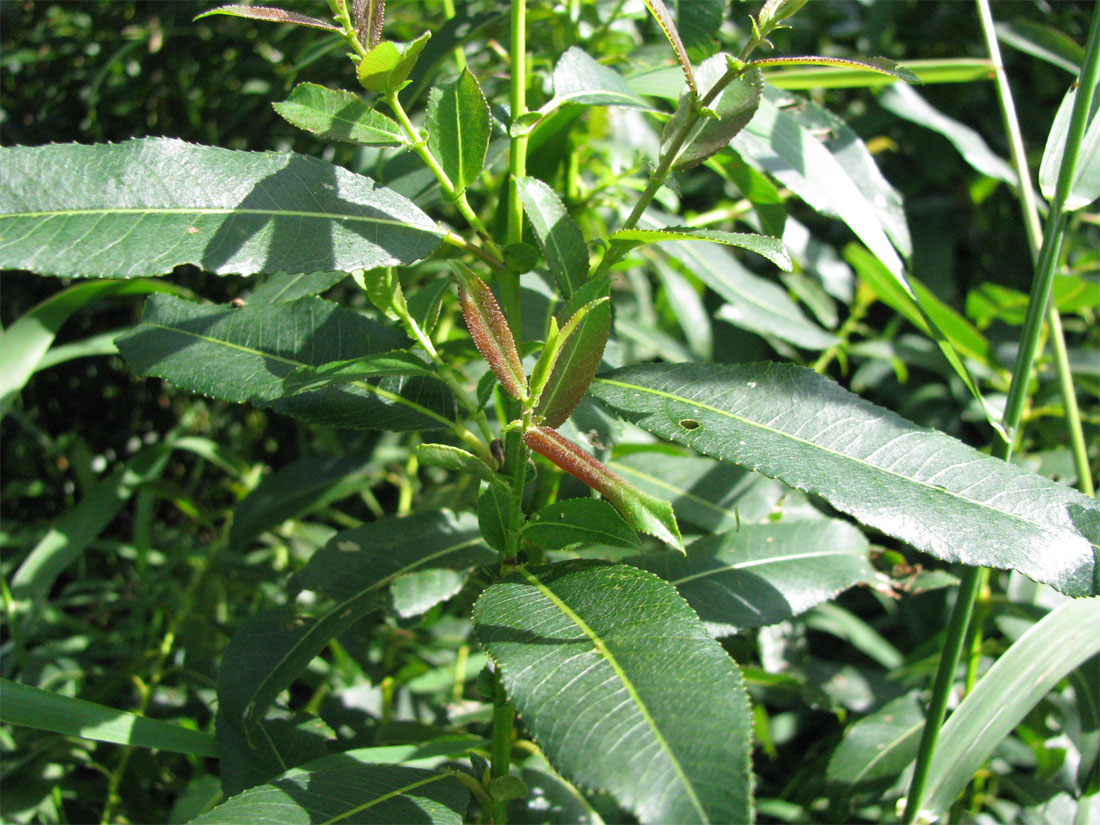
(244, 354)
(146, 206)
(573, 521)
(340, 788)
(917, 485)
(1085, 185)
(354, 570)
(761, 574)
(335, 114)
(578, 78)
(25, 342)
(46, 710)
(1042, 41)
(877, 748)
(1021, 676)
(618, 681)
(458, 128)
(557, 234)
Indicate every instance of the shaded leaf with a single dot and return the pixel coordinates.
(340, 788)
(920, 486)
(558, 235)
(494, 507)
(761, 574)
(877, 748)
(244, 354)
(277, 744)
(578, 521)
(334, 114)
(458, 128)
(394, 362)
(287, 286)
(698, 22)
(146, 206)
(1044, 42)
(621, 644)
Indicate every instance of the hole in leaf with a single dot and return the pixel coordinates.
(689, 423)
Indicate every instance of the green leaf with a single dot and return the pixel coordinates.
(276, 745)
(946, 70)
(334, 114)
(757, 188)
(1021, 676)
(385, 68)
(288, 286)
(878, 65)
(920, 486)
(768, 247)
(660, 12)
(579, 521)
(755, 303)
(354, 569)
(580, 356)
(394, 362)
(494, 514)
(698, 22)
(244, 354)
(642, 511)
(300, 487)
(1044, 42)
(558, 235)
(833, 183)
(25, 343)
(578, 78)
(270, 15)
(1085, 187)
(877, 748)
(905, 102)
(732, 111)
(45, 710)
(761, 574)
(146, 206)
(340, 788)
(706, 493)
(457, 460)
(458, 128)
(622, 645)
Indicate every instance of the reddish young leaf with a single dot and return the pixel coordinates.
(642, 511)
(271, 15)
(489, 329)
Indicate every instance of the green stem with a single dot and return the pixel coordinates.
(517, 155)
(420, 146)
(347, 27)
(501, 745)
(972, 577)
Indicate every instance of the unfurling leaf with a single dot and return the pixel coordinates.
(642, 511)
(385, 69)
(489, 329)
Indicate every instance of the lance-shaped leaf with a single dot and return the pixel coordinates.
(729, 114)
(660, 12)
(245, 353)
(355, 570)
(394, 362)
(877, 748)
(557, 234)
(338, 115)
(341, 788)
(880, 65)
(579, 78)
(456, 459)
(1085, 184)
(458, 128)
(920, 486)
(385, 68)
(642, 511)
(489, 329)
(269, 14)
(146, 206)
(760, 574)
(768, 247)
(580, 355)
(610, 669)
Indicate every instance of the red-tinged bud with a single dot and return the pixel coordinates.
(490, 332)
(642, 511)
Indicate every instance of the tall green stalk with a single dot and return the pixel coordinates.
(1042, 283)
